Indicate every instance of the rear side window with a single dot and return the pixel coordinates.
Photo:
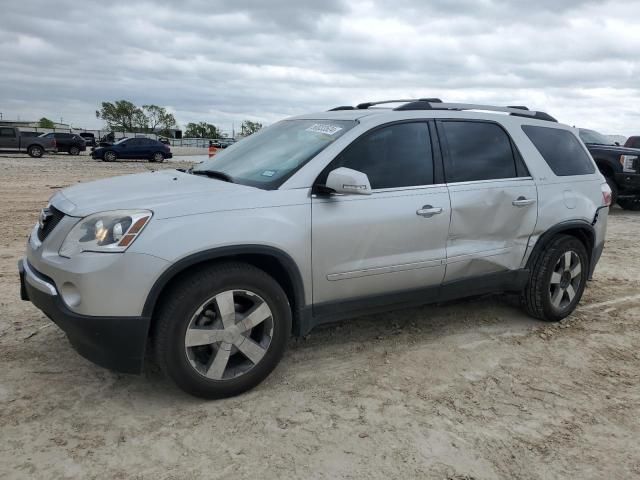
(7, 132)
(393, 156)
(478, 151)
(561, 150)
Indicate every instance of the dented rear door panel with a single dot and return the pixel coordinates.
(488, 232)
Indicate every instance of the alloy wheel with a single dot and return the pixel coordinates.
(229, 334)
(565, 280)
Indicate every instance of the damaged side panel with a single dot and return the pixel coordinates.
(479, 243)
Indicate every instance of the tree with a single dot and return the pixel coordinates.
(122, 115)
(248, 127)
(158, 119)
(202, 130)
(46, 123)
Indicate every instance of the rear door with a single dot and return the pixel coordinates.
(8, 138)
(493, 199)
(392, 240)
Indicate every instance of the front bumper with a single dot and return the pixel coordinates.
(117, 343)
(628, 183)
(168, 155)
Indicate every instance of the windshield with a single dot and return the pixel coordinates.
(267, 158)
(122, 140)
(591, 136)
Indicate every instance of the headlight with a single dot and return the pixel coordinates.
(627, 162)
(105, 232)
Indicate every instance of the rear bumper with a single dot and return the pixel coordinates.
(117, 343)
(628, 183)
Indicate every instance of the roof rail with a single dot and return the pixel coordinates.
(342, 107)
(437, 104)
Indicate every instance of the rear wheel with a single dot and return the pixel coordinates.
(157, 157)
(558, 279)
(35, 151)
(110, 156)
(222, 330)
(632, 204)
(73, 150)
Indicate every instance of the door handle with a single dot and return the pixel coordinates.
(523, 202)
(428, 211)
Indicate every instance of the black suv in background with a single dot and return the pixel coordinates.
(68, 142)
(620, 166)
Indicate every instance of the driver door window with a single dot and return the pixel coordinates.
(394, 156)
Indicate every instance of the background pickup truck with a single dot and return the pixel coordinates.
(10, 139)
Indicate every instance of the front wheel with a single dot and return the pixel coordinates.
(222, 330)
(110, 156)
(558, 279)
(35, 151)
(632, 204)
(74, 150)
(614, 190)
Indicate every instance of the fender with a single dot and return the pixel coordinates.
(571, 225)
(223, 252)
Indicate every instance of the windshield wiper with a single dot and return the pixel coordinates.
(213, 174)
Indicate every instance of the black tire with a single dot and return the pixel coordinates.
(157, 157)
(632, 204)
(35, 151)
(614, 190)
(109, 156)
(73, 150)
(537, 296)
(185, 301)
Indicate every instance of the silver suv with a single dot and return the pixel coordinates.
(316, 218)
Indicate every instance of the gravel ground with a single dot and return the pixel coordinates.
(471, 389)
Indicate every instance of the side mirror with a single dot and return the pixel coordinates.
(347, 181)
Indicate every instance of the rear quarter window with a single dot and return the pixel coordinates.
(561, 150)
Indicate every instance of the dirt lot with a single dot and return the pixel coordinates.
(472, 389)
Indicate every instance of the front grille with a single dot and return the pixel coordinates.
(49, 223)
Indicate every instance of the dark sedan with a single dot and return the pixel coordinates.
(133, 148)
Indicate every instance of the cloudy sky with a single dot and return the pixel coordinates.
(223, 62)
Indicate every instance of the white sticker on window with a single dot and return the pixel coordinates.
(324, 128)
(268, 173)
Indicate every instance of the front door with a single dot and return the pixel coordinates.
(392, 240)
(8, 138)
(493, 199)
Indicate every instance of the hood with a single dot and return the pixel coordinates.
(168, 193)
(613, 149)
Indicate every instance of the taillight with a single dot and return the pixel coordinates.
(606, 195)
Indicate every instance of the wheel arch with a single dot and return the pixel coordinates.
(273, 261)
(35, 145)
(580, 229)
(605, 167)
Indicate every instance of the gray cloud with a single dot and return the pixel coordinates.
(220, 62)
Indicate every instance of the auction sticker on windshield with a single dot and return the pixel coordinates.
(324, 128)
